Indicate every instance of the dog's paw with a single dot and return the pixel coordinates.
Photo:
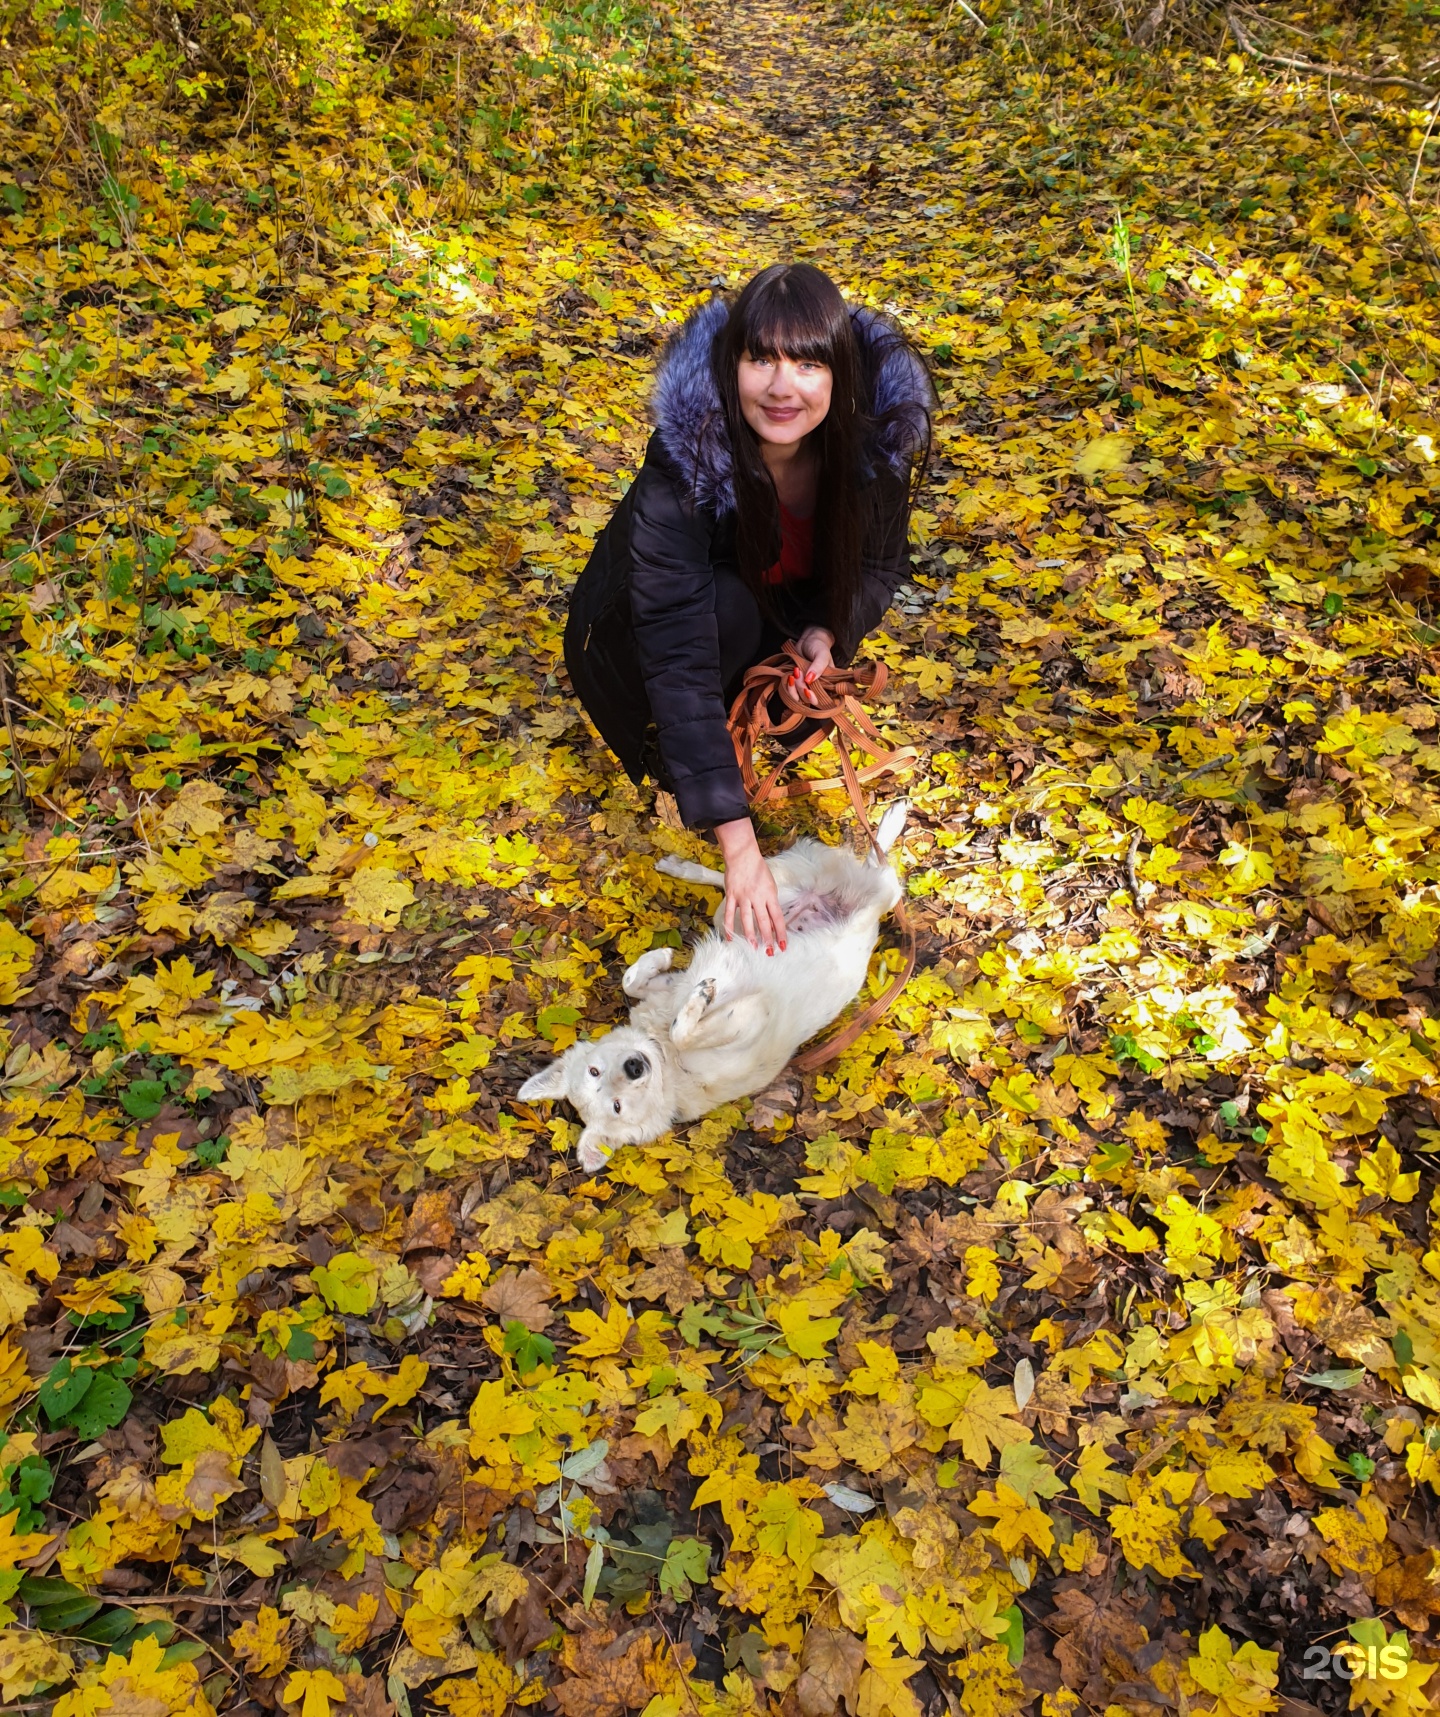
(692, 1015)
(646, 969)
(594, 1153)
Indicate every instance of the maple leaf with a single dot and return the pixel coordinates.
(1103, 453)
(1098, 1635)
(670, 1280)
(377, 896)
(486, 1694)
(1237, 1472)
(879, 1374)
(1024, 1468)
(353, 1622)
(1149, 1528)
(1352, 1537)
(1242, 1682)
(316, 1688)
(785, 1527)
(603, 1683)
(1015, 1519)
(974, 1414)
(982, 1273)
(875, 1434)
(617, 1333)
(263, 1644)
(805, 1336)
(858, 1568)
(521, 1296)
(1095, 1476)
(16, 1546)
(29, 1661)
(830, 1667)
(495, 1417)
(347, 1283)
(255, 1551)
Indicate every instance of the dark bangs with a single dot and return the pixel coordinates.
(795, 313)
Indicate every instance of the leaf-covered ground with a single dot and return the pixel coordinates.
(1074, 1340)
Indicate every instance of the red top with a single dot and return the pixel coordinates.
(796, 541)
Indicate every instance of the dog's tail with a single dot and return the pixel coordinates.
(890, 826)
(683, 871)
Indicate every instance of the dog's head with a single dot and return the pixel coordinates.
(616, 1085)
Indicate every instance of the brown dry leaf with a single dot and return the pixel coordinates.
(776, 1102)
(366, 1696)
(430, 1227)
(1411, 1588)
(204, 545)
(521, 1296)
(830, 1666)
(224, 915)
(670, 1280)
(604, 1675)
(1099, 1635)
(212, 1482)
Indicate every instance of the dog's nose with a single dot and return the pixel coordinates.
(634, 1067)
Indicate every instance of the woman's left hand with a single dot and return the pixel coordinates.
(817, 646)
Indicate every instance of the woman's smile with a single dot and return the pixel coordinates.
(781, 398)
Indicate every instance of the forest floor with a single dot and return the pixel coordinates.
(1074, 1339)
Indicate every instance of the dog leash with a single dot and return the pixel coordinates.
(844, 722)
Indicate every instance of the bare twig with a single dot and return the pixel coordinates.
(970, 13)
(1377, 80)
(15, 761)
(1132, 882)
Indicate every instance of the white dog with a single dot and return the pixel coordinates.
(726, 1026)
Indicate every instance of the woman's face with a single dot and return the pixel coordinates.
(783, 399)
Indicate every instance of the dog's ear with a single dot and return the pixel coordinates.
(593, 1151)
(548, 1082)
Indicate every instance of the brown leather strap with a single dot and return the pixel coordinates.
(838, 707)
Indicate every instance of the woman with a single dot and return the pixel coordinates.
(773, 503)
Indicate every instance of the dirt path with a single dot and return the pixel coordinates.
(806, 145)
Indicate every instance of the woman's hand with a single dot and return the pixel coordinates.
(751, 904)
(817, 646)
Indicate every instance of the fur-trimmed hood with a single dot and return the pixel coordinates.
(690, 421)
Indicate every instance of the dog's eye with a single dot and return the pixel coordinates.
(634, 1067)
(617, 1105)
(594, 1072)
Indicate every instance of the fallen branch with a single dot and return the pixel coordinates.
(1311, 69)
(970, 13)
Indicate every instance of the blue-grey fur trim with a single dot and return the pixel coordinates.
(686, 410)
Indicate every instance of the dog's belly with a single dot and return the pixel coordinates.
(706, 1088)
(811, 910)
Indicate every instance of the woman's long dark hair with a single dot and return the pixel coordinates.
(792, 309)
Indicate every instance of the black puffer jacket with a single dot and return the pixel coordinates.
(641, 644)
